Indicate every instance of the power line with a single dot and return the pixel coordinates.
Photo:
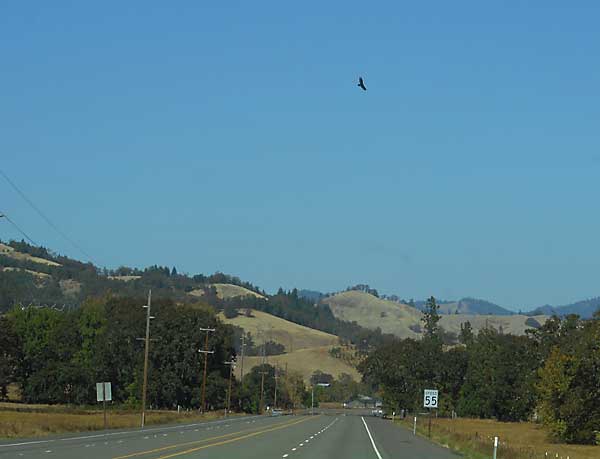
(41, 214)
(3, 215)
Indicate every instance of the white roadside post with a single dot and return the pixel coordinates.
(415, 426)
(495, 446)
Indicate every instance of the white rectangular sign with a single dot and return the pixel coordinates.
(103, 392)
(430, 398)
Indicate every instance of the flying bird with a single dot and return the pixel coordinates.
(361, 84)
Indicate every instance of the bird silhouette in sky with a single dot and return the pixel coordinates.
(361, 84)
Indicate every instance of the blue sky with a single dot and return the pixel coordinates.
(231, 136)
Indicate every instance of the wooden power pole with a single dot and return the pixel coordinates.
(146, 350)
(243, 338)
(231, 364)
(205, 351)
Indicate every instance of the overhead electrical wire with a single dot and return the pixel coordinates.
(3, 215)
(44, 217)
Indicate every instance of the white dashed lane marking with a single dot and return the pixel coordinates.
(307, 441)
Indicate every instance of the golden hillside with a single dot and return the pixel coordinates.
(510, 324)
(396, 318)
(226, 291)
(372, 312)
(8, 251)
(306, 362)
(291, 335)
(306, 349)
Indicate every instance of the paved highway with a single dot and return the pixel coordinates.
(333, 435)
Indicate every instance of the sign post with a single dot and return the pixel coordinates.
(104, 394)
(430, 400)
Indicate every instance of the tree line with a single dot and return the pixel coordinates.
(551, 375)
(21, 288)
(57, 357)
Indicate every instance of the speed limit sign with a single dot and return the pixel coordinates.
(430, 398)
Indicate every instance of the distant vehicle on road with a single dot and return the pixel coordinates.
(276, 412)
(377, 412)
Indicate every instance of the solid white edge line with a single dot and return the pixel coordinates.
(371, 437)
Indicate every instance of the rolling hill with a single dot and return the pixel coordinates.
(585, 309)
(404, 321)
(10, 252)
(227, 291)
(474, 306)
(372, 312)
(306, 362)
(291, 335)
(306, 349)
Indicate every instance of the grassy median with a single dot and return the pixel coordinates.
(517, 440)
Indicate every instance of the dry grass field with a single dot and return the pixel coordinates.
(510, 324)
(52, 420)
(29, 271)
(307, 349)
(306, 362)
(8, 251)
(396, 318)
(14, 393)
(372, 312)
(517, 440)
(291, 335)
(124, 278)
(225, 291)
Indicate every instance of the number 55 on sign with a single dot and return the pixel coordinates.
(430, 399)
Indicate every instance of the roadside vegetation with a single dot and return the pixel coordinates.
(19, 421)
(474, 438)
(551, 375)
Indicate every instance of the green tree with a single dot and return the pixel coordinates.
(499, 381)
(466, 335)
(9, 355)
(431, 319)
(569, 387)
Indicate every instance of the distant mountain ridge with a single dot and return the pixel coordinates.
(476, 306)
(585, 309)
(405, 321)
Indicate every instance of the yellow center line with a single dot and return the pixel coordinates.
(196, 442)
(231, 440)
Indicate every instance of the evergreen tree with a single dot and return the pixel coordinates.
(431, 318)
(466, 336)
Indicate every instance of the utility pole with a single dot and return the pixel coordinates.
(262, 391)
(243, 338)
(205, 351)
(231, 364)
(146, 350)
(312, 399)
(275, 398)
(262, 381)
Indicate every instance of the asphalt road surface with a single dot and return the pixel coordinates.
(335, 435)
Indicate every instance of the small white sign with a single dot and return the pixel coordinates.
(103, 392)
(430, 398)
